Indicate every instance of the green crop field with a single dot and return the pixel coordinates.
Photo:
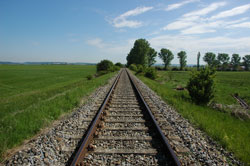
(231, 132)
(32, 96)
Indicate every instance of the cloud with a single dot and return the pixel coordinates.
(197, 22)
(180, 24)
(121, 21)
(198, 30)
(241, 25)
(193, 19)
(233, 12)
(206, 10)
(178, 5)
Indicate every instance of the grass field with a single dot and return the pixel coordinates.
(232, 133)
(32, 96)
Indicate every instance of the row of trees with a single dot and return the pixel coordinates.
(223, 62)
(143, 54)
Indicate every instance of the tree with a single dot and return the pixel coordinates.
(182, 56)
(246, 62)
(104, 65)
(151, 56)
(235, 61)
(210, 58)
(201, 85)
(119, 64)
(167, 56)
(138, 54)
(223, 59)
(198, 60)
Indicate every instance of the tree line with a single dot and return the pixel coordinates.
(143, 54)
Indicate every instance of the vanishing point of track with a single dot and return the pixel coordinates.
(124, 131)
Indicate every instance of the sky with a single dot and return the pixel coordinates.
(89, 31)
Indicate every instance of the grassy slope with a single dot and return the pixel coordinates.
(33, 96)
(230, 132)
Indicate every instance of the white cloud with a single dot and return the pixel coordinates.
(233, 12)
(193, 22)
(121, 21)
(206, 10)
(178, 5)
(197, 30)
(241, 25)
(180, 24)
(196, 22)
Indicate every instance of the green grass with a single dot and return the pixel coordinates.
(31, 97)
(230, 132)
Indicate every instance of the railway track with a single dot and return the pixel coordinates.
(124, 131)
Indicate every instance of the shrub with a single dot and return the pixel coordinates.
(140, 69)
(104, 65)
(158, 68)
(201, 86)
(114, 68)
(89, 77)
(133, 67)
(151, 73)
(175, 69)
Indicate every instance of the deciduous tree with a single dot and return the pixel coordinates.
(223, 59)
(235, 61)
(167, 56)
(246, 62)
(138, 54)
(210, 58)
(182, 58)
(151, 56)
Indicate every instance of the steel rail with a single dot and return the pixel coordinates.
(83, 149)
(162, 136)
(89, 136)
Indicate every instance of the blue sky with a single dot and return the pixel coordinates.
(89, 31)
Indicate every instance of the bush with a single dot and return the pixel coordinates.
(151, 73)
(158, 68)
(140, 69)
(201, 86)
(114, 68)
(133, 67)
(104, 65)
(175, 69)
(89, 77)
